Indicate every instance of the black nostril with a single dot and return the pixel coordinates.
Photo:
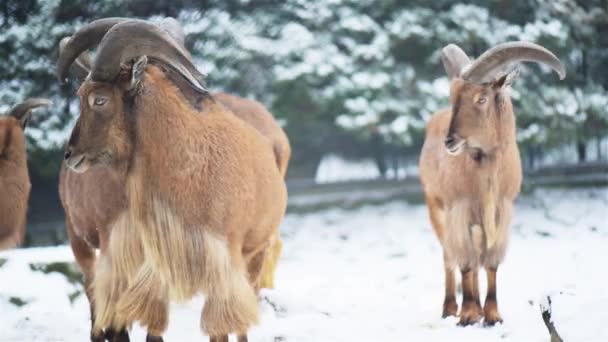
(67, 154)
(449, 140)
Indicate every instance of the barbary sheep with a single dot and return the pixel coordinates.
(202, 190)
(14, 178)
(471, 173)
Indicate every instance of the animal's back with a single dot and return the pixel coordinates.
(255, 114)
(14, 185)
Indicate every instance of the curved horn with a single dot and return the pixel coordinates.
(82, 66)
(454, 59)
(174, 28)
(135, 38)
(176, 31)
(501, 55)
(20, 111)
(87, 37)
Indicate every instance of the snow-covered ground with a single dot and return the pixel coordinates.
(371, 274)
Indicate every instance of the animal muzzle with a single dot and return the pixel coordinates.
(454, 144)
(76, 162)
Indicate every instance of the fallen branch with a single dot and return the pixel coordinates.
(545, 309)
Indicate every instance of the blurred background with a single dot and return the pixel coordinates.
(352, 82)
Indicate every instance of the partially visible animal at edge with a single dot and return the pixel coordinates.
(471, 173)
(240, 191)
(14, 178)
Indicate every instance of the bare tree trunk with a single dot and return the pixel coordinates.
(379, 152)
(581, 150)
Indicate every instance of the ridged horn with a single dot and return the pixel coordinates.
(82, 65)
(454, 59)
(134, 38)
(495, 59)
(87, 37)
(21, 111)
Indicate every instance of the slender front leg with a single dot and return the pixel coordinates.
(450, 306)
(476, 294)
(86, 258)
(243, 338)
(490, 307)
(469, 314)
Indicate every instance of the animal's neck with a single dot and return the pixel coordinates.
(170, 136)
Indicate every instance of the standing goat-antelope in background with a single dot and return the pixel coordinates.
(471, 173)
(203, 192)
(14, 178)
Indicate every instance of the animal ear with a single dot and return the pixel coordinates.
(506, 80)
(137, 71)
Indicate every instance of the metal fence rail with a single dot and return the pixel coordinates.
(305, 195)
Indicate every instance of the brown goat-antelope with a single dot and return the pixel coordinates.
(14, 178)
(203, 192)
(94, 199)
(471, 173)
(250, 111)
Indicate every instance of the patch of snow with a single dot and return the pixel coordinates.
(372, 274)
(334, 168)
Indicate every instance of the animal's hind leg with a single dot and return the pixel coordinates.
(219, 338)
(86, 258)
(257, 265)
(271, 261)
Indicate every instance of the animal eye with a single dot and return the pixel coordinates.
(100, 101)
(482, 100)
(97, 100)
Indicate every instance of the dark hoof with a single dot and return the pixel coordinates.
(469, 315)
(121, 336)
(490, 323)
(98, 338)
(450, 308)
(491, 319)
(150, 338)
(491, 316)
